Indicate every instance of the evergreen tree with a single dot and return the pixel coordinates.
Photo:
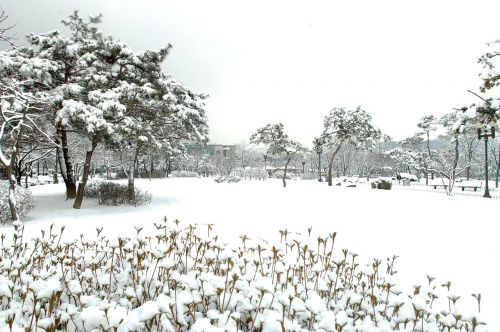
(278, 143)
(343, 126)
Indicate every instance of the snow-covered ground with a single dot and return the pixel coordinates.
(451, 238)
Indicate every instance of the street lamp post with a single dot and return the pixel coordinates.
(485, 134)
(303, 166)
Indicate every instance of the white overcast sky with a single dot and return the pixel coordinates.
(291, 61)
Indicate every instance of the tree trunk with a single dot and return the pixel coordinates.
(286, 169)
(85, 177)
(151, 169)
(14, 216)
(136, 170)
(131, 177)
(330, 163)
(11, 177)
(320, 179)
(430, 156)
(65, 164)
(498, 168)
(428, 145)
(19, 174)
(131, 187)
(453, 173)
(56, 179)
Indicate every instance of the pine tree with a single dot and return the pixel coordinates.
(278, 143)
(107, 93)
(343, 126)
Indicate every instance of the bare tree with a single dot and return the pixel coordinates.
(469, 147)
(18, 112)
(5, 35)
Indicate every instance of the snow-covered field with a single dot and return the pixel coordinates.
(451, 238)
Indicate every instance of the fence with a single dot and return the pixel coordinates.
(422, 187)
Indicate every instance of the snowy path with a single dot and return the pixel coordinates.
(451, 238)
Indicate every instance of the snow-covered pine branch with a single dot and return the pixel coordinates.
(490, 62)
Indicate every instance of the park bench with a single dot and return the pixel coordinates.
(444, 186)
(41, 180)
(470, 186)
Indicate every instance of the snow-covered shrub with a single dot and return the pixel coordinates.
(228, 179)
(232, 179)
(113, 193)
(24, 201)
(183, 278)
(250, 173)
(385, 184)
(184, 174)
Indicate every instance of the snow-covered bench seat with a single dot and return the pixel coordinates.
(470, 185)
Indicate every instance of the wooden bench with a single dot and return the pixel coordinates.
(445, 186)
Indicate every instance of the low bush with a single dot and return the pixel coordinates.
(250, 173)
(185, 279)
(382, 183)
(184, 174)
(113, 193)
(24, 201)
(228, 179)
